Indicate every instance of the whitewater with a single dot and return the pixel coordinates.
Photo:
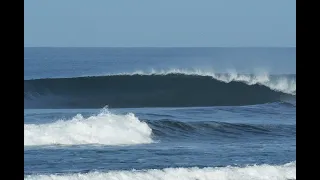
(105, 128)
(260, 172)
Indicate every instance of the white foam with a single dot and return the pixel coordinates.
(105, 128)
(282, 84)
(262, 172)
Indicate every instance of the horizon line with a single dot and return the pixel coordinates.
(160, 47)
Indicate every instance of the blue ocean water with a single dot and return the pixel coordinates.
(160, 113)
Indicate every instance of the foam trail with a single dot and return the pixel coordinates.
(262, 172)
(105, 128)
(281, 84)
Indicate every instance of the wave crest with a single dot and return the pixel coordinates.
(280, 83)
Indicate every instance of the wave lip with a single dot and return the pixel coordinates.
(261, 172)
(105, 128)
(164, 89)
(281, 84)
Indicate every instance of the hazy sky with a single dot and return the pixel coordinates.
(132, 23)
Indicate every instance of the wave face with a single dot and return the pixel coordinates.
(105, 128)
(215, 130)
(161, 89)
(263, 172)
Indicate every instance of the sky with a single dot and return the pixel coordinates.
(162, 23)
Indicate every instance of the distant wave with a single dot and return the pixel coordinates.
(256, 172)
(158, 89)
(112, 129)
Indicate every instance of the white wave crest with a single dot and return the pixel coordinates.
(262, 172)
(105, 128)
(282, 84)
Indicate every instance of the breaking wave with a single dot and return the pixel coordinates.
(158, 89)
(112, 129)
(105, 128)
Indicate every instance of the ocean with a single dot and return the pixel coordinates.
(160, 113)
